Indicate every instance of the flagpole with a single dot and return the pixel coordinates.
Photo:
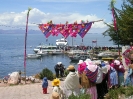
(118, 43)
(115, 25)
(26, 43)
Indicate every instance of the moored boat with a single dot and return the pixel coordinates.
(46, 49)
(77, 57)
(41, 53)
(71, 52)
(57, 52)
(33, 56)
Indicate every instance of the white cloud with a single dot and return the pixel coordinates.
(36, 16)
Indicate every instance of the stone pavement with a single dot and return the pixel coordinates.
(27, 91)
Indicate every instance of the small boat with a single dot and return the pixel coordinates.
(61, 42)
(107, 55)
(72, 52)
(56, 52)
(41, 53)
(33, 56)
(77, 57)
(104, 54)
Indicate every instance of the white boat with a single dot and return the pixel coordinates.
(77, 57)
(41, 47)
(41, 53)
(76, 52)
(104, 54)
(57, 52)
(33, 56)
(61, 42)
(45, 48)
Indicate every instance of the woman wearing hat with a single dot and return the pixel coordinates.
(91, 88)
(71, 83)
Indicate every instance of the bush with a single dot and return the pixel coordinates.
(112, 94)
(129, 91)
(54, 76)
(116, 93)
(66, 72)
(120, 93)
(46, 73)
(81, 96)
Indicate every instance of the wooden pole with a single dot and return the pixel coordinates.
(118, 44)
(26, 43)
(97, 21)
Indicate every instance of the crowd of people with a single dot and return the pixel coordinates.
(95, 78)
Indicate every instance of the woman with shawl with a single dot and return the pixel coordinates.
(92, 68)
(71, 83)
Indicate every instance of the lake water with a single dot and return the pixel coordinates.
(12, 52)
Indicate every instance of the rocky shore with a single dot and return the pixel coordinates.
(29, 90)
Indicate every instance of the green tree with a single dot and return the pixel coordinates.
(124, 18)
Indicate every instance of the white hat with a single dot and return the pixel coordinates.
(88, 60)
(117, 62)
(80, 61)
(9, 74)
(60, 62)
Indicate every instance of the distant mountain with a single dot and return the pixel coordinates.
(18, 31)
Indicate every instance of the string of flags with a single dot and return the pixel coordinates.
(66, 29)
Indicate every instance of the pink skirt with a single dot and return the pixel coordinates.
(92, 91)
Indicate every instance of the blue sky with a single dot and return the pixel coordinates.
(13, 12)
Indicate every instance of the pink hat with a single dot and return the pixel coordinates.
(90, 65)
(81, 67)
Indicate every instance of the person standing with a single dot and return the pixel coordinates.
(71, 83)
(57, 88)
(62, 69)
(57, 69)
(45, 85)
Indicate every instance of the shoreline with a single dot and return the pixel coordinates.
(26, 91)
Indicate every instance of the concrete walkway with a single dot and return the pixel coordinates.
(27, 91)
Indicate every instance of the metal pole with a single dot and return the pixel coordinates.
(72, 41)
(92, 50)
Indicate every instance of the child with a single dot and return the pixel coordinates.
(45, 85)
(56, 87)
(55, 95)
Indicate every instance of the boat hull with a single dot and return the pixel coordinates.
(78, 57)
(33, 56)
